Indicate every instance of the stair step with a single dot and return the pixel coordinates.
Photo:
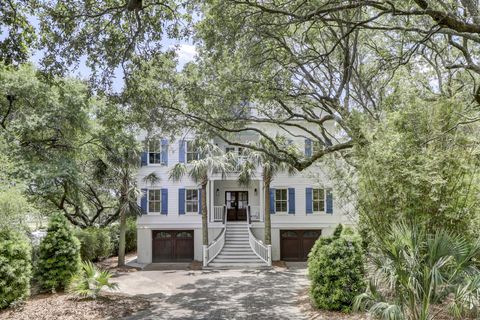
(237, 265)
(236, 257)
(242, 260)
(237, 249)
(235, 253)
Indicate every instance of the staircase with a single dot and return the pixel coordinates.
(237, 251)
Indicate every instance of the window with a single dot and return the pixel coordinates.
(229, 149)
(192, 200)
(192, 151)
(155, 150)
(318, 200)
(154, 200)
(281, 200)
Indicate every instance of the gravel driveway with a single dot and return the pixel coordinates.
(217, 294)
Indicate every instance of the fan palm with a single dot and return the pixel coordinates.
(211, 159)
(414, 269)
(252, 160)
(90, 281)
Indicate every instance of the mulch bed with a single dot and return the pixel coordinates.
(63, 306)
(111, 263)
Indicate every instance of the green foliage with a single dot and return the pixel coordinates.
(88, 282)
(335, 268)
(420, 163)
(15, 267)
(338, 231)
(414, 269)
(59, 254)
(130, 236)
(95, 243)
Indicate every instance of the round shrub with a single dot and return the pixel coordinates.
(59, 254)
(336, 271)
(95, 243)
(15, 267)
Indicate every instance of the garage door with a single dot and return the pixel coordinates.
(174, 245)
(296, 244)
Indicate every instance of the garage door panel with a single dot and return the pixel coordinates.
(296, 244)
(172, 245)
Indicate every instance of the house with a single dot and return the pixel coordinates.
(302, 208)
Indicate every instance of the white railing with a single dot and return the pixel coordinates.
(255, 213)
(264, 252)
(218, 213)
(211, 251)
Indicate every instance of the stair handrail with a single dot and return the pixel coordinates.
(264, 252)
(214, 248)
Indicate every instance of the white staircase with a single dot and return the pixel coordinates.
(237, 251)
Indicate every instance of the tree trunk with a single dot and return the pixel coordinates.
(121, 241)
(204, 214)
(268, 224)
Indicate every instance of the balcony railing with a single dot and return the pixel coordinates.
(219, 213)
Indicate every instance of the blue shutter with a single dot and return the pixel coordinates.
(309, 200)
(144, 201)
(272, 200)
(291, 200)
(308, 148)
(164, 151)
(181, 201)
(164, 201)
(181, 151)
(329, 201)
(200, 201)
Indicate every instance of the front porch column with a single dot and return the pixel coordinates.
(261, 200)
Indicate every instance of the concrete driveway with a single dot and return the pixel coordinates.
(218, 294)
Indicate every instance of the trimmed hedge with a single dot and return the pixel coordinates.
(15, 267)
(130, 236)
(95, 243)
(336, 271)
(59, 255)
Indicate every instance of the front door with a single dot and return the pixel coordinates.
(237, 202)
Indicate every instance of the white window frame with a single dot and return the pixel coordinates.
(159, 201)
(286, 200)
(324, 200)
(186, 152)
(162, 161)
(186, 201)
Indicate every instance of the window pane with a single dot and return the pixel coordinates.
(312, 234)
(289, 234)
(184, 234)
(154, 146)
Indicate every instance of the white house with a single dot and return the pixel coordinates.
(302, 208)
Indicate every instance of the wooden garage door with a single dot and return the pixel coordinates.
(173, 245)
(296, 244)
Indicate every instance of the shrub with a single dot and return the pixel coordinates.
(15, 267)
(130, 236)
(59, 254)
(336, 271)
(89, 281)
(95, 243)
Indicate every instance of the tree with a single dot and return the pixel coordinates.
(59, 255)
(210, 159)
(414, 269)
(250, 162)
(420, 163)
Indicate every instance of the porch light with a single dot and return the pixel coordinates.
(255, 191)
(218, 192)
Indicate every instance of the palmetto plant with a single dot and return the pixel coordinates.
(211, 159)
(251, 160)
(90, 281)
(416, 274)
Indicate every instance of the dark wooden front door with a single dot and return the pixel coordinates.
(173, 245)
(296, 244)
(237, 202)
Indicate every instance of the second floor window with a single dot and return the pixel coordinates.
(281, 200)
(192, 151)
(191, 200)
(318, 200)
(156, 152)
(154, 200)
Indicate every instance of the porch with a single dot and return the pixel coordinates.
(229, 200)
